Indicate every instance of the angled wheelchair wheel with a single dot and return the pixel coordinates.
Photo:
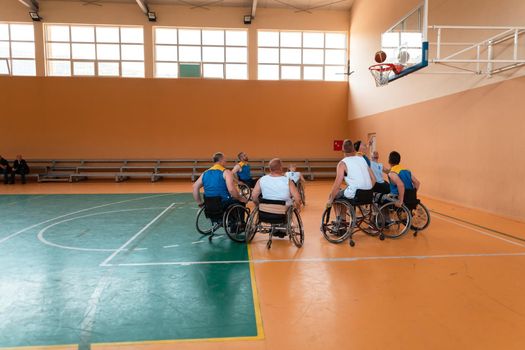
(369, 219)
(420, 217)
(251, 225)
(336, 224)
(397, 221)
(204, 225)
(245, 191)
(234, 222)
(295, 228)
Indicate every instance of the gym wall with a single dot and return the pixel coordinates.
(49, 117)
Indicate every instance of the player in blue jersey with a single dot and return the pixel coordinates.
(401, 179)
(217, 182)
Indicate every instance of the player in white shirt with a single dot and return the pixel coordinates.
(354, 171)
(294, 175)
(276, 186)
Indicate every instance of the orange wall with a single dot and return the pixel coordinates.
(157, 118)
(465, 148)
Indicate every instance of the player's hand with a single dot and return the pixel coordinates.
(201, 205)
(398, 203)
(328, 205)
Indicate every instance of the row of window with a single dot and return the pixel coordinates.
(90, 50)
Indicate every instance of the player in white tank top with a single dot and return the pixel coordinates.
(276, 186)
(357, 175)
(354, 171)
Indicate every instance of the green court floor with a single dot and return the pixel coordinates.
(86, 269)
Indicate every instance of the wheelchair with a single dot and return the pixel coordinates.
(275, 218)
(412, 214)
(347, 216)
(212, 216)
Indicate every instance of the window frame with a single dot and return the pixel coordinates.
(10, 58)
(96, 61)
(302, 65)
(201, 62)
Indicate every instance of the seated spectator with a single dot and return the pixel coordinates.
(21, 168)
(5, 168)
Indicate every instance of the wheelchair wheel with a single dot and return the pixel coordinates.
(234, 222)
(300, 188)
(245, 191)
(420, 217)
(370, 219)
(337, 225)
(295, 228)
(204, 225)
(251, 225)
(397, 220)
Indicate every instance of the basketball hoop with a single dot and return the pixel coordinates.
(382, 71)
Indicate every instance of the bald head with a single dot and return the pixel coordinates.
(275, 165)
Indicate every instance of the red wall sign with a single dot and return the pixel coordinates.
(338, 145)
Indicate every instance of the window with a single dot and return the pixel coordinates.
(17, 49)
(301, 55)
(206, 53)
(83, 50)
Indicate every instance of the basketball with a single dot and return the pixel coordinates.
(380, 56)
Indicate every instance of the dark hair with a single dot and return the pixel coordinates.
(357, 144)
(394, 158)
(239, 155)
(217, 157)
(348, 147)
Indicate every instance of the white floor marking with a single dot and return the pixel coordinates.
(77, 212)
(116, 252)
(88, 320)
(198, 242)
(317, 260)
(42, 239)
(171, 246)
(479, 231)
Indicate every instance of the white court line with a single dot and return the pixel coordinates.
(76, 212)
(88, 320)
(105, 262)
(171, 246)
(479, 231)
(316, 260)
(42, 239)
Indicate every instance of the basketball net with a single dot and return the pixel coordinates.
(382, 72)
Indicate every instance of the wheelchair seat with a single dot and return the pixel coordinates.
(362, 197)
(272, 211)
(213, 208)
(410, 199)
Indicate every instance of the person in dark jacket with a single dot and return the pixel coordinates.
(21, 168)
(5, 169)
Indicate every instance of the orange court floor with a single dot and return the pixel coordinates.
(457, 285)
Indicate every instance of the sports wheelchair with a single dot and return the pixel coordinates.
(347, 216)
(213, 216)
(412, 214)
(276, 219)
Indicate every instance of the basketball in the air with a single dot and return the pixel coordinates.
(380, 56)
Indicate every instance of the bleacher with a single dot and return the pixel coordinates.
(71, 170)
